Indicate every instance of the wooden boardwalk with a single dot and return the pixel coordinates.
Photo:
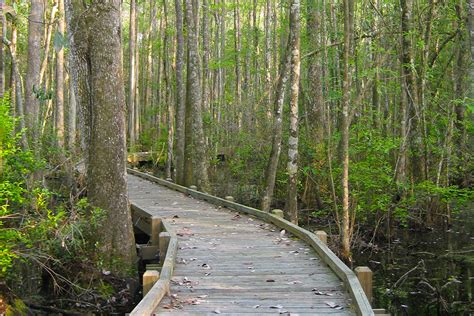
(230, 263)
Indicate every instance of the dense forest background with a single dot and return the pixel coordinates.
(351, 115)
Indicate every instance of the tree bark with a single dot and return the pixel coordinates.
(194, 103)
(60, 80)
(272, 165)
(96, 51)
(180, 97)
(132, 84)
(294, 94)
(346, 99)
(3, 30)
(32, 84)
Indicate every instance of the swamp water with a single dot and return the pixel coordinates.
(426, 273)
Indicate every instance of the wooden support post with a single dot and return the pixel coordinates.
(229, 198)
(322, 235)
(364, 274)
(155, 231)
(277, 213)
(149, 279)
(163, 243)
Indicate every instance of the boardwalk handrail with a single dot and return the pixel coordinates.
(352, 284)
(153, 298)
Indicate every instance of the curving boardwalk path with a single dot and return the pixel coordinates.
(230, 263)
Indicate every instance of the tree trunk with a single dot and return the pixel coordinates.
(132, 84)
(346, 99)
(180, 98)
(60, 80)
(293, 133)
(272, 166)
(3, 29)
(96, 50)
(32, 84)
(194, 103)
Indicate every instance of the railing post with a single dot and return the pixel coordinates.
(277, 213)
(193, 187)
(322, 235)
(155, 231)
(149, 279)
(229, 198)
(163, 243)
(364, 274)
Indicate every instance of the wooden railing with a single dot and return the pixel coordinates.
(360, 302)
(163, 237)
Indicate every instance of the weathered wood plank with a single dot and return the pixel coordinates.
(234, 254)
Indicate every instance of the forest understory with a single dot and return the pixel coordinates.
(353, 117)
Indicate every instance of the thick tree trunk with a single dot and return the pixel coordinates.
(180, 98)
(32, 84)
(293, 133)
(194, 103)
(96, 49)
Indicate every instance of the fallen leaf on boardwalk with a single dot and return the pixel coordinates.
(185, 232)
(283, 312)
(182, 261)
(217, 311)
(206, 266)
(334, 305)
(270, 280)
(295, 282)
(203, 296)
(313, 258)
(236, 217)
(192, 259)
(316, 292)
(295, 252)
(168, 306)
(276, 306)
(256, 306)
(175, 216)
(282, 233)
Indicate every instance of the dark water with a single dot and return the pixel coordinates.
(425, 273)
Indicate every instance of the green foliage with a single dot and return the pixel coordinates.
(36, 230)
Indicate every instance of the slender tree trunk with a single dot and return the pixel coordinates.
(272, 165)
(170, 105)
(180, 97)
(47, 44)
(72, 117)
(32, 84)
(60, 80)
(238, 72)
(3, 29)
(346, 99)
(132, 84)
(96, 50)
(293, 133)
(470, 27)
